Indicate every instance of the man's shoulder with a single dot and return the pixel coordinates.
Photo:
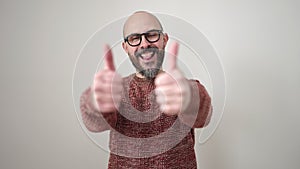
(128, 78)
(194, 80)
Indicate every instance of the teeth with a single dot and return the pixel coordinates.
(147, 55)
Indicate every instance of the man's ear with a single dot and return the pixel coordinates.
(165, 38)
(125, 47)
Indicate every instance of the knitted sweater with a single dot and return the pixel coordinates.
(141, 136)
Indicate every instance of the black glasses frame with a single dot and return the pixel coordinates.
(145, 35)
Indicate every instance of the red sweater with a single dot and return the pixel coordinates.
(141, 136)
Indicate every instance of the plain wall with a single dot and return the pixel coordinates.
(257, 43)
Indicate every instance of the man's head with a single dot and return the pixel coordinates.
(144, 42)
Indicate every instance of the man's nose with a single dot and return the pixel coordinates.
(144, 42)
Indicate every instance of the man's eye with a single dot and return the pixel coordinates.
(134, 38)
(153, 34)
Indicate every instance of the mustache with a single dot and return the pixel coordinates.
(150, 49)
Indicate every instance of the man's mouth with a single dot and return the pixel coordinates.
(147, 56)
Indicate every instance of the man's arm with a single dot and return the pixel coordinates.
(100, 102)
(199, 111)
(178, 96)
(93, 119)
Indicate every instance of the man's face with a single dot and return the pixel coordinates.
(147, 57)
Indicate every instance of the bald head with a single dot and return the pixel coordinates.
(140, 22)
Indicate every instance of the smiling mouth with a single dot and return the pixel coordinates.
(147, 56)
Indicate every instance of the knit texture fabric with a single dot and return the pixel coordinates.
(141, 136)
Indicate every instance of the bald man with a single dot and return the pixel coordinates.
(152, 113)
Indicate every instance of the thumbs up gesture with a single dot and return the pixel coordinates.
(173, 92)
(107, 86)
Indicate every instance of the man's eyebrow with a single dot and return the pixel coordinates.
(132, 34)
(144, 32)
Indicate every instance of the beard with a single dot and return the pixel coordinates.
(148, 72)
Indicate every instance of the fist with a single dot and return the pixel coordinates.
(107, 87)
(173, 92)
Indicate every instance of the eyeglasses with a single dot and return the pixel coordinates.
(135, 39)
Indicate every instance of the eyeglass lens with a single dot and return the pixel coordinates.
(151, 36)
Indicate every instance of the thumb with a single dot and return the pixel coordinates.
(172, 56)
(108, 58)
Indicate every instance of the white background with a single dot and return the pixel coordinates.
(258, 45)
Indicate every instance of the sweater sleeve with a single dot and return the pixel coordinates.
(94, 120)
(199, 111)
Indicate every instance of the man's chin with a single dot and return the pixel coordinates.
(149, 73)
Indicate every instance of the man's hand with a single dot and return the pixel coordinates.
(107, 86)
(173, 92)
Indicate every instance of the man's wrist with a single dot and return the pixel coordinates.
(92, 103)
(189, 114)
